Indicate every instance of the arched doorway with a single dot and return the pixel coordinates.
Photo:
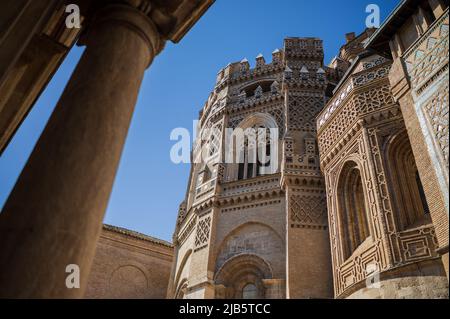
(242, 276)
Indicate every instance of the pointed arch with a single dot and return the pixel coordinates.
(352, 208)
(182, 265)
(408, 197)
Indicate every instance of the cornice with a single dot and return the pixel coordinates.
(136, 235)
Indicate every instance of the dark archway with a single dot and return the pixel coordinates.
(352, 209)
(408, 197)
(243, 276)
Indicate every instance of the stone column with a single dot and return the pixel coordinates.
(54, 214)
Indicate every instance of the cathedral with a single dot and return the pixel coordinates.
(307, 181)
(356, 206)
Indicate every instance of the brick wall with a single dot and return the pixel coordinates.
(129, 265)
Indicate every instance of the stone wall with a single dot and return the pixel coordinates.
(424, 280)
(129, 265)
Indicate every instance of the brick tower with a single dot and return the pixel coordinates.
(243, 232)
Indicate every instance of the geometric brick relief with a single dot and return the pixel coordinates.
(366, 77)
(340, 124)
(429, 56)
(417, 244)
(187, 230)
(203, 231)
(436, 58)
(308, 211)
(252, 205)
(371, 100)
(416, 249)
(214, 139)
(436, 111)
(235, 121)
(303, 110)
(278, 115)
(357, 269)
(275, 111)
(371, 74)
(359, 104)
(378, 60)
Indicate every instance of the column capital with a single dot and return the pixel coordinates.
(131, 14)
(169, 19)
(173, 18)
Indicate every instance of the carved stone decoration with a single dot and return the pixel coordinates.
(181, 213)
(303, 109)
(358, 126)
(308, 211)
(436, 111)
(203, 232)
(367, 101)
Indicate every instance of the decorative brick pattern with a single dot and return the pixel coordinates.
(437, 113)
(203, 232)
(308, 210)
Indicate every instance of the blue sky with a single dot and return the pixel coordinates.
(148, 186)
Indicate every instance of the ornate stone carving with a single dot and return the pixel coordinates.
(186, 231)
(370, 100)
(181, 213)
(302, 110)
(436, 111)
(203, 232)
(307, 211)
(429, 56)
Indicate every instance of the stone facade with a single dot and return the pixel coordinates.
(129, 265)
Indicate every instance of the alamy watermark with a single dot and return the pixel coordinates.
(73, 19)
(373, 20)
(73, 277)
(253, 145)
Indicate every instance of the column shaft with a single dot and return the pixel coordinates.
(54, 214)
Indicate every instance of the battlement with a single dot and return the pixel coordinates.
(299, 62)
(243, 68)
(307, 48)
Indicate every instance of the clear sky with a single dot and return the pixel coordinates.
(148, 186)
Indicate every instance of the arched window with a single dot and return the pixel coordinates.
(408, 198)
(263, 154)
(352, 209)
(256, 154)
(250, 291)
